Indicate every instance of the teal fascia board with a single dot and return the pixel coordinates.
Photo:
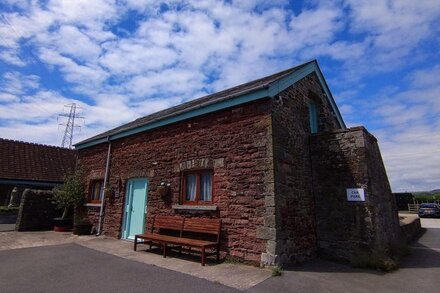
(274, 89)
(29, 182)
(91, 143)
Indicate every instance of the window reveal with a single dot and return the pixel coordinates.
(96, 191)
(197, 187)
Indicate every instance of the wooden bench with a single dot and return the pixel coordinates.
(185, 231)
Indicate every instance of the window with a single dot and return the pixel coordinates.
(197, 187)
(96, 190)
(313, 116)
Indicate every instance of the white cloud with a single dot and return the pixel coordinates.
(5, 98)
(16, 83)
(135, 56)
(88, 74)
(69, 40)
(11, 57)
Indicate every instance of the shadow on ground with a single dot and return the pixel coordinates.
(194, 255)
(425, 253)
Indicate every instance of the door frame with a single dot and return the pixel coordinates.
(127, 216)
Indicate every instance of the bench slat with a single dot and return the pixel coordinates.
(208, 226)
(181, 224)
(168, 222)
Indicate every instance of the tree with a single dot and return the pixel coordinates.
(71, 193)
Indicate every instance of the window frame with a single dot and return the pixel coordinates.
(198, 173)
(91, 191)
(313, 116)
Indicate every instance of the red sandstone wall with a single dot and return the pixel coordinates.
(294, 200)
(235, 142)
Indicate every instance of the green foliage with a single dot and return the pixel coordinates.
(277, 271)
(377, 260)
(11, 210)
(385, 260)
(70, 194)
(427, 198)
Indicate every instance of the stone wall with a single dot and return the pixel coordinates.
(36, 211)
(293, 214)
(351, 159)
(235, 143)
(410, 227)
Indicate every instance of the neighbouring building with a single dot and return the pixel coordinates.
(272, 158)
(30, 165)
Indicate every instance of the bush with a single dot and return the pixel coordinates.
(377, 260)
(70, 194)
(384, 260)
(277, 271)
(11, 210)
(427, 198)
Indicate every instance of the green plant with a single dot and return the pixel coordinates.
(70, 194)
(277, 271)
(378, 260)
(7, 210)
(83, 221)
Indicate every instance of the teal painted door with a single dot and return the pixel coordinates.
(135, 207)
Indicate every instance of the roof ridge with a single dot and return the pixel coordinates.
(34, 143)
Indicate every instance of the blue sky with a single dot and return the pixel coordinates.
(123, 59)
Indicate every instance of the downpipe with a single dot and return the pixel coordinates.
(101, 211)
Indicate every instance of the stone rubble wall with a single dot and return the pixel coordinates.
(351, 159)
(36, 211)
(411, 228)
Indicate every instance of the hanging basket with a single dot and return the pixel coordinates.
(163, 189)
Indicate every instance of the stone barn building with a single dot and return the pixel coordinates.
(271, 158)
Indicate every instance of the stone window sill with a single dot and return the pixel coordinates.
(194, 207)
(96, 205)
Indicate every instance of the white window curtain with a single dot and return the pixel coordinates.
(206, 187)
(191, 181)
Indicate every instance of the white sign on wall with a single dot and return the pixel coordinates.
(355, 194)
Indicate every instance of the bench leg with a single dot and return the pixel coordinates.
(164, 250)
(135, 242)
(218, 254)
(203, 256)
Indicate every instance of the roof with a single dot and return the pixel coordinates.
(24, 161)
(264, 87)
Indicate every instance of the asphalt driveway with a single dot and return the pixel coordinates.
(74, 268)
(420, 272)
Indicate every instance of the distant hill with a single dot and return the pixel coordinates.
(426, 193)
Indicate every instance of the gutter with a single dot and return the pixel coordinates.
(101, 211)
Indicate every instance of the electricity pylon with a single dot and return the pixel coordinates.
(70, 124)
